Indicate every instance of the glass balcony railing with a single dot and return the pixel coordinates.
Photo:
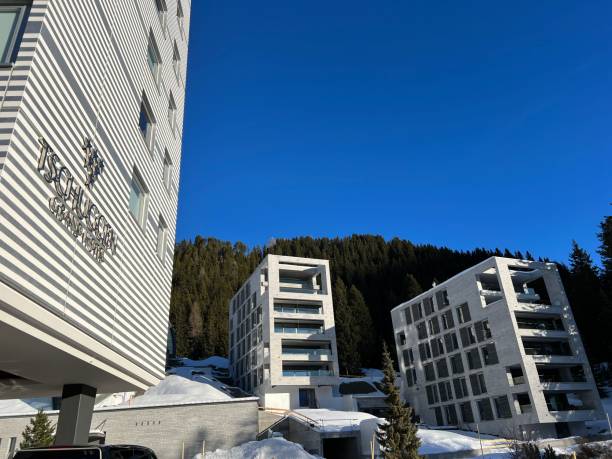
(297, 310)
(307, 373)
(306, 351)
(303, 330)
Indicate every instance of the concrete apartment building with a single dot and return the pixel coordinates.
(282, 334)
(91, 116)
(497, 345)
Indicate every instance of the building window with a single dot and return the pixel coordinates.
(432, 394)
(442, 299)
(138, 198)
(446, 393)
(434, 326)
(484, 409)
(146, 122)
(410, 377)
(12, 22)
(424, 351)
(489, 354)
(457, 364)
(421, 330)
(450, 340)
(478, 384)
(162, 236)
(408, 357)
(466, 412)
(176, 62)
(180, 17)
(162, 12)
(502, 407)
(429, 306)
(153, 57)
(473, 359)
(451, 415)
(442, 368)
(417, 311)
(172, 113)
(439, 418)
(483, 332)
(407, 316)
(447, 320)
(167, 171)
(467, 336)
(430, 374)
(463, 313)
(460, 386)
(401, 338)
(437, 348)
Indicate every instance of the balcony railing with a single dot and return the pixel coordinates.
(306, 351)
(307, 373)
(302, 330)
(297, 310)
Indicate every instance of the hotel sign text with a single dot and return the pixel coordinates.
(71, 206)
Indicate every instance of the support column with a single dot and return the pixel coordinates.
(75, 414)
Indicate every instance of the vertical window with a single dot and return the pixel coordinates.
(467, 336)
(432, 394)
(180, 17)
(12, 20)
(450, 340)
(167, 171)
(172, 113)
(473, 359)
(466, 412)
(176, 62)
(463, 313)
(153, 57)
(502, 407)
(484, 409)
(417, 311)
(447, 320)
(138, 198)
(489, 354)
(451, 415)
(401, 338)
(439, 418)
(442, 299)
(162, 235)
(146, 122)
(460, 386)
(421, 330)
(429, 306)
(424, 351)
(442, 368)
(478, 384)
(457, 364)
(12, 447)
(483, 331)
(407, 316)
(430, 374)
(162, 12)
(434, 326)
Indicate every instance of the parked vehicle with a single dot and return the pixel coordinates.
(87, 452)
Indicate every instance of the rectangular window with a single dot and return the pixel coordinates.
(484, 409)
(467, 336)
(442, 368)
(502, 407)
(430, 374)
(12, 447)
(434, 326)
(176, 62)
(146, 122)
(172, 113)
(180, 17)
(437, 348)
(417, 311)
(489, 354)
(432, 394)
(460, 386)
(153, 58)
(451, 415)
(466, 412)
(463, 313)
(478, 384)
(138, 198)
(446, 392)
(408, 316)
(447, 320)
(410, 380)
(401, 338)
(457, 364)
(439, 418)
(162, 236)
(421, 330)
(429, 306)
(424, 351)
(12, 22)
(408, 357)
(167, 178)
(483, 332)
(162, 12)
(473, 358)
(450, 341)
(442, 299)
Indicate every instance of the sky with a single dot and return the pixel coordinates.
(457, 123)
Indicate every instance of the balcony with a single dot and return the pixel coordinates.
(290, 309)
(307, 373)
(574, 415)
(565, 386)
(538, 307)
(299, 327)
(555, 359)
(306, 354)
(540, 333)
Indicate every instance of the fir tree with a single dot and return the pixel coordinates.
(347, 332)
(365, 332)
(605, 251)
(38, 433)
(398, 435)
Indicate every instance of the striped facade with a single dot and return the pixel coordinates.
(81, 71)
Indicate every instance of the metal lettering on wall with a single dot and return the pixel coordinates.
(71, 206)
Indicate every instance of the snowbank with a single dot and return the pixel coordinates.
(445, 441)
(277, 448)
(177, 389)
(333, 421)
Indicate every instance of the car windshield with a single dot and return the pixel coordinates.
(88, 453)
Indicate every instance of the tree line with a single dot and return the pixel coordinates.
(370, 276)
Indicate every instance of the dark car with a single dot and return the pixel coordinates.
(87, 452)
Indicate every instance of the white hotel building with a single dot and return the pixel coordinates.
(282, 334)
(91, 120)
(497, 345)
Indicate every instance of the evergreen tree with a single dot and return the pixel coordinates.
(605, 251)
(347, 332)
(410, 287)
(38, 433)
(589, 304)
(365, 333)
(398, 435)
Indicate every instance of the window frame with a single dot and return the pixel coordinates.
(152, 46)
(140, 219)
(162, 14)
(162, 238)
(180, 18)
(176, 62)
(149, 136)
(167, 171)
(172, 113)
(14, 39)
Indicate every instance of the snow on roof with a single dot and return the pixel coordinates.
(178, 389)
(277, 448)
(332, 420)
(28, 406)
(214, 361)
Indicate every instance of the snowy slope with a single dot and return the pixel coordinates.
(177, 389)
(277, 448)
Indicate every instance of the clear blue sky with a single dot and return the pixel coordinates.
(458, 123)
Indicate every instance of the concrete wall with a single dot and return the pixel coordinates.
(163, 429)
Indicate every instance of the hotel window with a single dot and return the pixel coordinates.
(162, 234)
(153, 57)
(176, 62)
(424, 351)
(12, 21)
(460, 386)
(408, 357)
(483, 331)
(450, 340)
(442, 299)
(478, 384)
(485, 410)
(167, 171)
(473, 359)
(447, 320)
(146, 122)
(433, 325)
(457, 364)
(446, 392)
(417, 311)
(429, 306)
(442, 368)
(467, 336)
(430, 374)
(432, 394)
(489, 354)
(421, 330)
(463, 313)
(407, 316)
(162, 12)
(180, 17)
(466, 412)
(138, 198)
(502, 407)
(451, 415)
(172, 113)
(401, 338)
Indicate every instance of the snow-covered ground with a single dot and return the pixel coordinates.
(445, 441)
(334, 421)
(277, 448)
